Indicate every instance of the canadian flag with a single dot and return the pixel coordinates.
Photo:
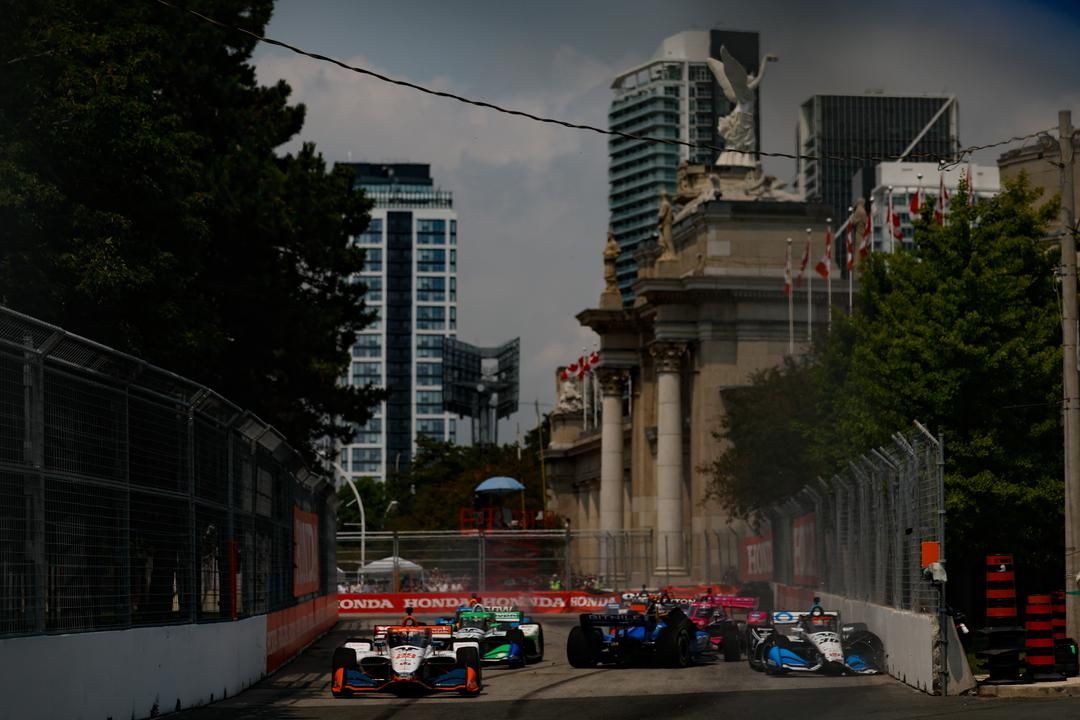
(594, 359)
(824, 265)
(892, 220)
(849, 247)
(868, 232)
(787, 271)
(915, 203)
(563, 375)
(802, 265)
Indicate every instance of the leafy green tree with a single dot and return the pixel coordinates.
(143, 205)
(961, 333)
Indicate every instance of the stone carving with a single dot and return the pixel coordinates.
(695, 187)
(611, 254)
(612, 381)
(569, 400)
(667, 356)
(737, 127)
(664, 219)
(859, 218)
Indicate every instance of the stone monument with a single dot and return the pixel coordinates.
(610, 299)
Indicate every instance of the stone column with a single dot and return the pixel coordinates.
(669, 471)
(611, 470)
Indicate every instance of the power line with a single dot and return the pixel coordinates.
(942, 164)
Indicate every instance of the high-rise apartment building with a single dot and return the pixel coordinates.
(411, 276)
(674, 95)
(848, 127)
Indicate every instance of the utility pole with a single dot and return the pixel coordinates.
(1070, 380)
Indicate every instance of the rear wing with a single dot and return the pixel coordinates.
(589, 620)
(790, 617)
(438, 632)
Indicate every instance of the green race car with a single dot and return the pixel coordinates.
(505, 634)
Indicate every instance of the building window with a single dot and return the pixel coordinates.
(429, 346)
(429, 402)
(430, 317)
(430, 232)
(453, 232)
(430, 288)
(453, 318)
(369, 433)
(367, 346)
(428, 374)
(366, 372)
(374, 288)
(373, 235)
(432, 427)
(699, 73)
(453, 288)
(453, 261)
(431, 259)
(366, 460)
(373, 259)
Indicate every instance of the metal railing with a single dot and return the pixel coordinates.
(132, 496)
(860, 534)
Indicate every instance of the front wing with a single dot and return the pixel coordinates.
(457, 679)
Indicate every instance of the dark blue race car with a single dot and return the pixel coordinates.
(662, 634)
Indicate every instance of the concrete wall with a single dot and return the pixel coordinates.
(133, 673)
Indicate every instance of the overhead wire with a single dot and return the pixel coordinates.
(943, 164)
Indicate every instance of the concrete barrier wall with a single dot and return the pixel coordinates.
(909, 637)
(134, 673)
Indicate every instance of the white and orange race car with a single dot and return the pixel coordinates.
(407, 660)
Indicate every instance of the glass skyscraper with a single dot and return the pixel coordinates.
(675, 96)
(411, 276)
(868, 126)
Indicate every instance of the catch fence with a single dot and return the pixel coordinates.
(502, 560)
(861, 533)
(130, 496)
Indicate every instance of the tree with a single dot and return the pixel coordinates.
(961, 333)
(144, 207)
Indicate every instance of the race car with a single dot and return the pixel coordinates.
(662, 634)
(817, 642)
(407, 659)
(503, 634)
(709, 613)
(758, 628)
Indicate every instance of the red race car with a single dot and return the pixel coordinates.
(711, 614)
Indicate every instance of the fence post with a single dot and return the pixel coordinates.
(567, 573)
(34, 452)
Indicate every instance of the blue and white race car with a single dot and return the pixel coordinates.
(818, 642)
(661, 633)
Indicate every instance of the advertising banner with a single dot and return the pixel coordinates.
(305, 553)
(536, 602)
(804, 549)
(756, 558)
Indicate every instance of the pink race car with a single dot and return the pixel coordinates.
(710, 613)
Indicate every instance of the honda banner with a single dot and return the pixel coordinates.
(756, 558)
(804, 549)
(305, 553)
(537, 602)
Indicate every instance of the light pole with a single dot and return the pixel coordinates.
(363, 528)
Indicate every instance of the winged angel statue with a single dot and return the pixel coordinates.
(737, 127)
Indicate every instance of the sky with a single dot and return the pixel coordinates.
(532, 198)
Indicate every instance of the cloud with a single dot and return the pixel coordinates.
(531, 198)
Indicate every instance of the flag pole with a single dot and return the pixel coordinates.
(828, 268)
(809, 297)
(790, 305)
(849, 246)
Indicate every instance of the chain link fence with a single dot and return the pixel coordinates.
(131, 496)
(860, 534)
(493, 561)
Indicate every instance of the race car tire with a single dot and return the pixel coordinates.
(673, 646)
(868, 646)
(730, 643)
(580, 652)
(344, 658)
(537, 646)
(470, 658)
(516, 637)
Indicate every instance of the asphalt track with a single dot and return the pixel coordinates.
(552, 690)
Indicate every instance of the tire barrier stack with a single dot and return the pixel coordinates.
(1065, 650)
(1003, 633)
(1039, 640)
(1057, 605)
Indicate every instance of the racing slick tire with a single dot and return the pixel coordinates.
(537, 654)
(673, 645)
(580, 651)
(343, 658)
(730, 643)
(468, 657)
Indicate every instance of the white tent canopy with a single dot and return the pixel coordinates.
(386, 567)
